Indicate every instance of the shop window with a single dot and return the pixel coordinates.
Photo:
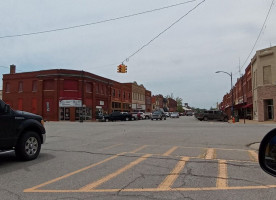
(20, 86)
(48, 85)
(71, 85)
(34, 86)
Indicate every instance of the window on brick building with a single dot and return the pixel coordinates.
(20, 86)
(8, 87)
(34, 86)
(89, 87)
(124, 95)
(113, 92)
(119, 93)
(267, 75)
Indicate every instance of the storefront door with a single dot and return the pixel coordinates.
(64, 114)
(270, 109)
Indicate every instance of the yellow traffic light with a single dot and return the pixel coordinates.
(122, 68)
(119, 69)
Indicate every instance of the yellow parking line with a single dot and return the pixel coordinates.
(170, 151)
(72, 173)
(158, 189)
(139, 149)
(110, 147)
(113, 175)
(210, 154)
(222, 174)
(253, 155)
(170, 179)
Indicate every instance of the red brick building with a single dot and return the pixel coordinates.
(172, 104)
(61, 94)
(148, 101)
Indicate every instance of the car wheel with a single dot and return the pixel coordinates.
(165, 118)
(106, 120)
(161, 118)
(127, 119)
(28, 146)
(205, 118)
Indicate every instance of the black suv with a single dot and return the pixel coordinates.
(21, 131)
(212, 115)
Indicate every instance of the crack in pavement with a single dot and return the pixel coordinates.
(12, 193)
(141, 176)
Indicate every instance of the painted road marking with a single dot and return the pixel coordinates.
(170, 179)
(210, 154)
(253, 155)
(95, 184)
(222, 174)
(170, 151)
(73, 173)
(166, 185)
(138, 149)
(158, 190)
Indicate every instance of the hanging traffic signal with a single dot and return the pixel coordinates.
(119, 69)
(122, 68)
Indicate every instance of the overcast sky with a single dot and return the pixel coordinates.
(182, 61)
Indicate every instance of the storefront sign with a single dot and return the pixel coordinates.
(70, 103)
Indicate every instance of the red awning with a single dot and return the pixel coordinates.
(248, 106)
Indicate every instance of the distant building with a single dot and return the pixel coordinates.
(138, 96)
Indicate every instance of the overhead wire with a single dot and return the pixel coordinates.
(272, 3)
(97, 22)
(148, 43)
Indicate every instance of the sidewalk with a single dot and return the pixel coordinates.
(241, 121)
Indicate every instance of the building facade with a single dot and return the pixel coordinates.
(138, 97)
(0, 94)
(65, 94)
(148, 101)
(264, 84)
(254, 94)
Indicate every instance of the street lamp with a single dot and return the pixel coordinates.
(230, 74)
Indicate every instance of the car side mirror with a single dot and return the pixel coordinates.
(267, 153)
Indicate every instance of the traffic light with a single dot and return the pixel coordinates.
(119, 69)
(122, 68)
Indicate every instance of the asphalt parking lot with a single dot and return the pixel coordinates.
(169, 159)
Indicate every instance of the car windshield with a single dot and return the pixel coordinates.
(136, 99)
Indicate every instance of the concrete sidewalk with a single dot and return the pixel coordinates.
(241, 121)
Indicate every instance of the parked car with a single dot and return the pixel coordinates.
(189, 113)
(167, 114)
(175, 115)
(21, 131)
(212, 115)
(138, 115)
(115, 116)
(147, 115)
(158, 115)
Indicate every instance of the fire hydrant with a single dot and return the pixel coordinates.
(233, 120)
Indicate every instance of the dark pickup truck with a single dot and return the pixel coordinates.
(212, 115)
(21, 131)
(122, 116)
